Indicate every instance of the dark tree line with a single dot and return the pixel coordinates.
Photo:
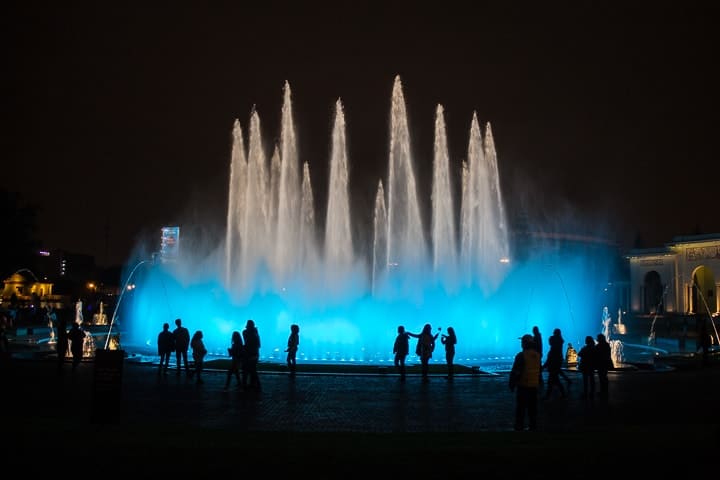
(18, 244)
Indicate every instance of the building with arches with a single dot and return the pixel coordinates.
(24, 285)
(677, 282)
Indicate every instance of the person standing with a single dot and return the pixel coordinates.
(586, 365)
(251, 336)
(292, 348)
(61, 347)
(77, 341)
(449, 340)
(537, 338)
(524, 381)
(182, 344)
(401, 348)
(235, 351)
(424, 349)
(553, 364)
(604, 362)
(166, 345)
(198, 354)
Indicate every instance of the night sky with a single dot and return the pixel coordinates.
(119, 115)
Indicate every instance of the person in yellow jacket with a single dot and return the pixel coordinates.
(525, 380)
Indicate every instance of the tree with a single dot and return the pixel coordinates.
(17, 242)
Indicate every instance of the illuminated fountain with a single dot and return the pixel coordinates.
(89, 346)
(616, 345)
(281, 265)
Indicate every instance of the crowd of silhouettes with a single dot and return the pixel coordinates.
(526, 376)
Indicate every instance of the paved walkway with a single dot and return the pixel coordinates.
(645, 411)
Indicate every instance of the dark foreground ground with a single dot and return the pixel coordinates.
(350, 425)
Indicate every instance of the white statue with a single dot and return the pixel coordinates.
(78, 311)
(606, 322)
(51, 318)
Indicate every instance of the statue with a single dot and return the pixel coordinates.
(606, 319)
(78, 311)
(51, 319)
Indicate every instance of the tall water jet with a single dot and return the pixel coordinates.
(254, 229)
(484, 244)
(497, 227)
(406, 251)
(379, 249)
(277, 268)
(443, 216)
(338, 239)
(274, 208)
(309, 256)
(288, 218)
(236, 201)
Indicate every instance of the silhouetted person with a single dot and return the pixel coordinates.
(604, 362)
(61, 347)
(182, 343)
(537, 339)
(292, 348)
(586, 365)
(401, 349)
(250, 376)
(525, 381)
(449, 340)
(236, 352)
(553, 364)
(166, 345)
(77, 340)
(198, 354)
(424, 349)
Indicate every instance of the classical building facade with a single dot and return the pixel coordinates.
(682, 278)
(23, 286)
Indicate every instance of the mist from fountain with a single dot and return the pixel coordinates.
(276, 268)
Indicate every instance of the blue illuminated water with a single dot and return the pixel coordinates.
(277, 268)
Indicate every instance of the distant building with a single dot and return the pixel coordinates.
(24, 285)
(681, 278)
(57, 265)
(169, 244)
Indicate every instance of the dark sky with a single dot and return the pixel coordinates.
(119, 115)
